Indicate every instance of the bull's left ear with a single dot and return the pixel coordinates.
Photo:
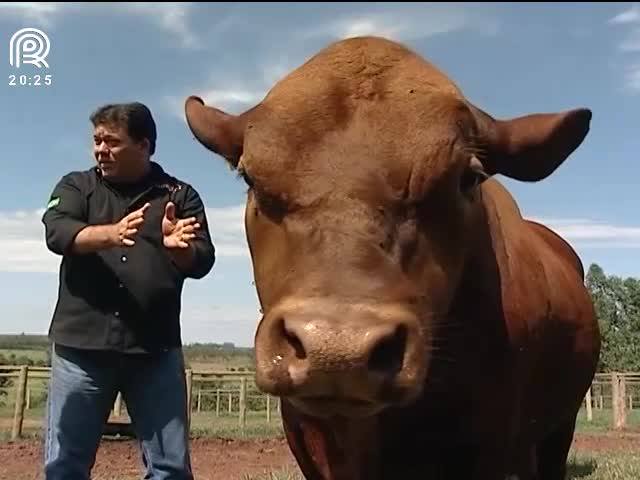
(532, 147)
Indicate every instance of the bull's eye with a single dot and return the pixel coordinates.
(245, 176)
(470, 179)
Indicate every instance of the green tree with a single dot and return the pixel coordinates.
(617, 304)
(5, 382)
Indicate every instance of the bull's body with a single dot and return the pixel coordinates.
(414, 322)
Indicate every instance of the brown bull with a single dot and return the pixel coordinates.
(414, 323)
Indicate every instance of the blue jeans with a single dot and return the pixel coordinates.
(82, 390)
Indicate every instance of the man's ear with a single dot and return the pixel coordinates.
(531, 147)
(145, 144)
(218, 131)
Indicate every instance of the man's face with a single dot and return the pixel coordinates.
(117, 154)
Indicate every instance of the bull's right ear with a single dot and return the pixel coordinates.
(218, 131)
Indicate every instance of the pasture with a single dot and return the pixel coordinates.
(237, 434)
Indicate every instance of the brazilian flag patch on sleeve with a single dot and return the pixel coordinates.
(53, 202)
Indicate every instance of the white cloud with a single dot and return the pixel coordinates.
(587, 233)
(23, 248)
(630, 45)
(22, 243)
(173, 18)
(632, 15)
(229, 100)
(632, 77)
(40, 13)
(235, 93)
(404, 24)
(227, 229)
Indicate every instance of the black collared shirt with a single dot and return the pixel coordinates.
(125, 298)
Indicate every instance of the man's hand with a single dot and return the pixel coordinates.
(99, 237)
(177, 233)
(125, 229)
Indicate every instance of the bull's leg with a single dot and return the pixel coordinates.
(524, 464)
(490, 465)
(458, 463)
(494, 460)
(554, 450)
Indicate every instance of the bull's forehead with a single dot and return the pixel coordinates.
(360, 114)
(362, 66)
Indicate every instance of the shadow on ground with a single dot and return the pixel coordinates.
(580, 468)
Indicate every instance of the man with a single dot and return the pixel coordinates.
(129, 235)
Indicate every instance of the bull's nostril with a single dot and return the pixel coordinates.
(293, 341)
(388, 355)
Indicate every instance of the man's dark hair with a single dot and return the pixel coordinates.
(135, 116)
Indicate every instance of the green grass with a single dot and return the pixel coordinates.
(610, 466)
(207, 425)
(280, 475)
(602, 420)
(220, 364)
(604, 466)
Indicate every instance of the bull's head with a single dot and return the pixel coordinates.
(365, 169)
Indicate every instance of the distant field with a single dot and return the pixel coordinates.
(215, 364)
(36, 355)
(208, 356)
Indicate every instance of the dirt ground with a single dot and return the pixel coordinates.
(215, 459)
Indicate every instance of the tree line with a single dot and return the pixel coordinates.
(617, 304)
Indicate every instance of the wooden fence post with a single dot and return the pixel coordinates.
(18, 414)
(117, 406)
(622, 395)
(243, 404)
(218, 402)
(614, 400)
(189, 380)
(618, 403)
(268, 408)
(589, 406)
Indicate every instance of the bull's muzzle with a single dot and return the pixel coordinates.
(341, 359)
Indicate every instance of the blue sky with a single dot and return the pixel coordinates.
(509, 60)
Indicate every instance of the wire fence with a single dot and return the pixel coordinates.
(233, 400)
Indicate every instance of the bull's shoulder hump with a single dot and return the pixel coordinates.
(557, 243)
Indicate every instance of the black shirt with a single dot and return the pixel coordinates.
(124, 298)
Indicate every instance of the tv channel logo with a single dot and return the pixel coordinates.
(29, 46)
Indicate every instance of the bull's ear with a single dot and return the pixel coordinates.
(218, 131)
(532, 147)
